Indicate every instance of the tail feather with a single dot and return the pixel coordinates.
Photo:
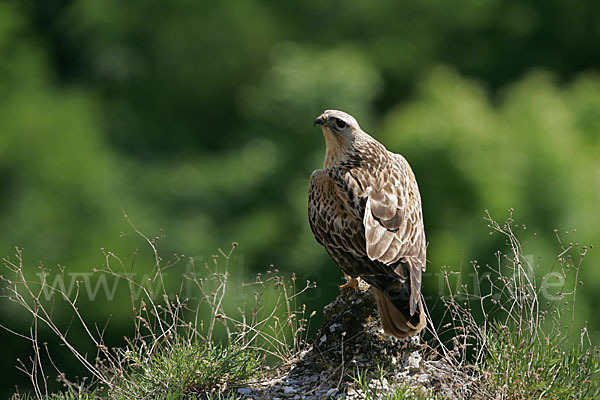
(396, 322)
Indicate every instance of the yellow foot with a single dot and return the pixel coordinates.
(351, 283)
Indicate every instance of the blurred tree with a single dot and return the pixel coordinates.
(532, 151)
(56, 170)
(195, 117)
(57, 176)
(179, 68)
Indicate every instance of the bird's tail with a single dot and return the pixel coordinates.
(398, 322)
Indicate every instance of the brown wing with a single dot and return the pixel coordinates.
(335, 221)
(393, 221)
(335, 209)
(370, 221)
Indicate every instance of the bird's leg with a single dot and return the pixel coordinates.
(350, 282)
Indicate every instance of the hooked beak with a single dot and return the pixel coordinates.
(319, 121)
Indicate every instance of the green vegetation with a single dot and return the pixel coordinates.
(196, 119)
(501, 339)
(180, 368)
(525, 347)
(177, 350)
(541, 366)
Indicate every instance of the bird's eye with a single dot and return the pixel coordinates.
(340, 124)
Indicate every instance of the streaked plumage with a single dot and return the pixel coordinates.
(364, 207)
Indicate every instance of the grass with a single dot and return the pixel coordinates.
(181, 349)
(528, 367)
(504, 342)
(180, 370)
(68, 395)
(516, 344)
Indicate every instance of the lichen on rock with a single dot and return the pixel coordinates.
(352, 337)
(350, 340)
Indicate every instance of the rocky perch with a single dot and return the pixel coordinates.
(351, 341)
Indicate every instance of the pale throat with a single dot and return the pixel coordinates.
(337, 149)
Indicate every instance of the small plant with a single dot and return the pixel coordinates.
(506, 340)
(379, 387)
(69, 394)
(520, 366)
(179, 369)
(180, 348)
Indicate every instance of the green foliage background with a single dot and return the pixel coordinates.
(196, 118)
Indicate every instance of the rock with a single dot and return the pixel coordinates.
(351, 335)
(244, 391)
(289, 390)
(351, 339)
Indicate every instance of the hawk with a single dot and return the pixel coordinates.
(364, 207)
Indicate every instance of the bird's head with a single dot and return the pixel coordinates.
(341, 132)
(338, 123)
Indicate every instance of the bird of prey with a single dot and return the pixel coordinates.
(364, 207)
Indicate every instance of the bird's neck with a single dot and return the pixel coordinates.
(337, 149)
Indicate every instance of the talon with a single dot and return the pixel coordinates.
(351, 283)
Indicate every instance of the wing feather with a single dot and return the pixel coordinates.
(334, 223)
(372, 212)
(393, 221)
